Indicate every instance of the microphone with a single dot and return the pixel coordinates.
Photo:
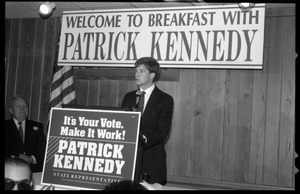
(137, 100)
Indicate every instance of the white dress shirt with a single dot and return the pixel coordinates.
(148, 93)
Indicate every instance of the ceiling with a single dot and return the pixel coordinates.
(23, 9)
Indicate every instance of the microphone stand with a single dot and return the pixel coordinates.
(135, 108)
(139, 169)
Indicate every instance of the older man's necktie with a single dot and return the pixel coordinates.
(21, 130)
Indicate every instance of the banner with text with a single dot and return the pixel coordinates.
(219, 36)
(90, 148)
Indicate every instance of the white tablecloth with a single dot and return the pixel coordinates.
(37, 185)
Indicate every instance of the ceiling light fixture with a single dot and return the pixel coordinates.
(46, 9)
(246, 6)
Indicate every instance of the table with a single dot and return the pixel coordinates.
(38, 175)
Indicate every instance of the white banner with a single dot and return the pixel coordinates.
(178, 37)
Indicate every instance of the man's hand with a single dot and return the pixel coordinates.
(27, 158)
(145, 139)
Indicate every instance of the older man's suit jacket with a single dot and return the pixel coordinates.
(155, 125)
(34, 144)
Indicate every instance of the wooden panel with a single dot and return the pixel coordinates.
(187, 124)
(207, 122)
(175, 154)
(230, 125)
(12, 62)
(279, 11)
(81, 88)
(93, 92)
(109, 92)
(37, 78)
(183, 124)
(287, 104)
(258, 127)
(243, 126)
(273, 101)
(123, 88)
(8, 36)
(7, 40)
(206, 184)
(201, 142)
(26, 53)
(170, 88)
(214, 120)
(120, 74)
(259, 116)
(51, 39)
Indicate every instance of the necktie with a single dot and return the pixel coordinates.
(141, 95)
(21, 130)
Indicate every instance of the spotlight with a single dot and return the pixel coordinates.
(46, 9)
(246, 6)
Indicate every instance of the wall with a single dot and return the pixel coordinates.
(230, 129)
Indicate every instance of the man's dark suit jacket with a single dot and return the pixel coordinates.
(155, 125)
(35, 142)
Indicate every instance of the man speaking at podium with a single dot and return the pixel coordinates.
(156, 108)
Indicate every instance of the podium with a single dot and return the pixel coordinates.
(88, 148)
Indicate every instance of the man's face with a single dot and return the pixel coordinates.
(19, 109)
(143, 77)
(15, 173)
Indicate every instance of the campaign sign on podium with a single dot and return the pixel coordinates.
(88, 149)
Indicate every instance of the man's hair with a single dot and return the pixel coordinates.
(12, 101)
(151, 64)
(13, 161)
(125, 185)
